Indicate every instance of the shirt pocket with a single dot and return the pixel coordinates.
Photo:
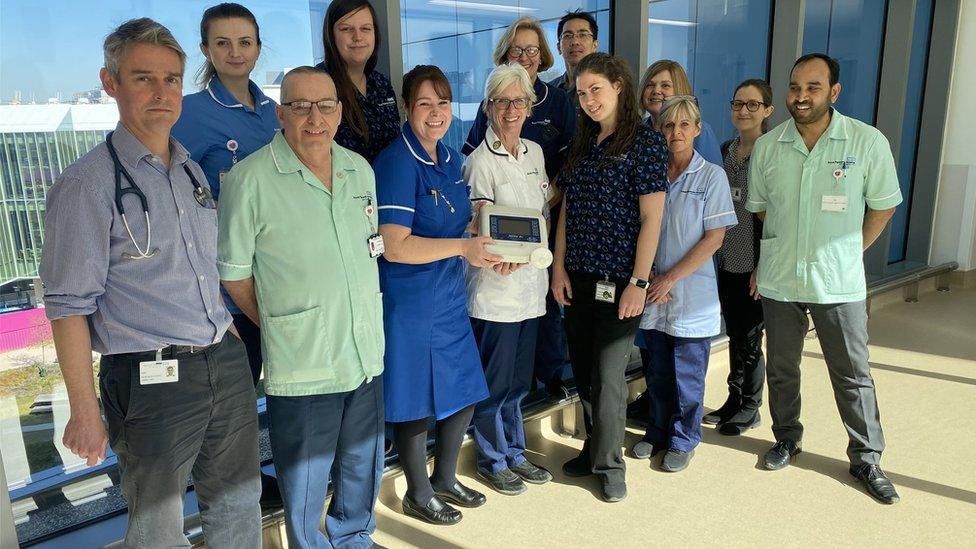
(843, 272)
(297, 347)
(207, 229)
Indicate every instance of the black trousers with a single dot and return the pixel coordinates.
(599, 350)
(251, 336)
(744, 326)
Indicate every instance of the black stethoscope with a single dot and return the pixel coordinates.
(200, 193)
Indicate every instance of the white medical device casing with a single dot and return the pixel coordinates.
(520, 234)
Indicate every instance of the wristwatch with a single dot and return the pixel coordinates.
(639, 282)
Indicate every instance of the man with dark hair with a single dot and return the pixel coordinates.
(576, 38)
(175, 385)
(825, 186)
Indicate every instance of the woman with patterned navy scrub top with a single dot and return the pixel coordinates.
(432, 366)
(615, 181)
(351, 38)
(229, 119)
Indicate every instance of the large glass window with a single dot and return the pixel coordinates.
(459, 37)
(852, 32)
(910, 126)
(719, 43)
(52, 111)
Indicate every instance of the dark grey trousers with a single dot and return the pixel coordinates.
(843, 333)
(204, 425)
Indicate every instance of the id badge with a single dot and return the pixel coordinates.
(159, 371)
(737, 194)
(375, 245)
(606, 291)
(833, 203)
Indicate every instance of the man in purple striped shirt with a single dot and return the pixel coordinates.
(130, 270)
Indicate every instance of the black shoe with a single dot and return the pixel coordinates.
(435, 512)
(460, 494)
(579, 466)
(723, 413)
(676, 460)
(504, 482)
(557, 390)
(780, 455)
(613, 493)
(740, 423)
(638, 411)
(532, 473)
(270, 494)
(876, 482)
(646, 450)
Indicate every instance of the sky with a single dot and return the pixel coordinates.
(51, 46)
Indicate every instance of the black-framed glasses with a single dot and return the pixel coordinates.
(302, 107)
(583, 36)
(515, 52)
(752, 105)
(519, 103)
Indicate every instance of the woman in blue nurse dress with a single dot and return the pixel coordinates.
(432, 366)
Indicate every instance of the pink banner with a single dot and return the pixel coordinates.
(21, 329)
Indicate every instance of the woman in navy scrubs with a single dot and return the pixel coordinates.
(432, 367)
(552, 126)
(615, 180)
(229, 119)
(222, 124)
(351, 37)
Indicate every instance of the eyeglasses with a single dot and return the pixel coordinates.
(303, 108)
(503, 104)
(583, 36)
(752, 105)
(515, 52)
(675, 98)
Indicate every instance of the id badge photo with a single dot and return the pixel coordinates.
(606, 291)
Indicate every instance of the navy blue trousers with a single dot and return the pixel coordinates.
(676, 387)
(318, 437)
(507, 354)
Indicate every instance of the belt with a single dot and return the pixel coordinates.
(170, 351)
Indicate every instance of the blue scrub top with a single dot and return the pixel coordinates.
(706, 144)
(432, 366)
(552, 125)
(698, 200)
(213, 121)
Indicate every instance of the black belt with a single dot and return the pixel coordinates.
(169, 352)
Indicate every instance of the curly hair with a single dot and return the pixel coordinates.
(617, 71)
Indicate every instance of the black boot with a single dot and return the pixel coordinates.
(724, 412)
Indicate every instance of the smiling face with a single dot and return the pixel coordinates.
(508, 120)
(576, 42)
(598, 97)
(148, 90)
(232, 47)
(810, 94)
(659, 88)
(429, 115)
(745, 120)
(525, 39)
(355, 36)
(309, 135)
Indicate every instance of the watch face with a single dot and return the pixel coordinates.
(642, 284)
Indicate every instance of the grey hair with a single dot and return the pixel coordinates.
(504, 76)
(675, 107)
(138, 31)
(304, 69)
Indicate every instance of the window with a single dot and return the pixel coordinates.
(719, 44)
(459, 37)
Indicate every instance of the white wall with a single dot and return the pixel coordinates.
(954, 230)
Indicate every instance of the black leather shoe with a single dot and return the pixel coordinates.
(639, 410)
(435, 512)
(723, 413)
(556, 389)
(646, 450)
(780, 455)
(270, 494)
(613, 493)
(460, 494)
(676, 460)
(876, 482)
(740, 423)
(532, 473)
(504, 482)
(579, 466)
